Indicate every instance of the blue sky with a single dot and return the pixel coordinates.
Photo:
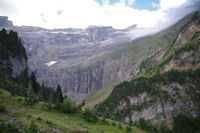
(139, 4)
(83, 13)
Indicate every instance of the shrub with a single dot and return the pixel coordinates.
(29, 102)
(29, 116)
(90, 116)
(2, 108)
(128, 128)
(146, 125)
(38, 118)
(19, 100)
(49, 122)
(69, 106)
(107, 122)
(113, 124)
(185, 124)
(8, 128)
(103, 120)
(32, 128)
(120, 126)
(49, 107)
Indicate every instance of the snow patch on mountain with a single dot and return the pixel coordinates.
(50, 63)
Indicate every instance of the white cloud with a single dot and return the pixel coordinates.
(123, 1)
(82, 13)
(105, 2)
(155, 5)
(131, 2)
(167, 4)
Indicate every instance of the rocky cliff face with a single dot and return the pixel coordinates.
(17, 66)
(76, 81)
(179, 102)
(67, 56)
(4, 22)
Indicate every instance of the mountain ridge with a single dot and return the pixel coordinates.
(167, 84)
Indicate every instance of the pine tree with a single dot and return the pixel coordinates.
(34, 82)
(30, 91)
(52, 97)
(59, 95)
(41, 94)
(21, 89)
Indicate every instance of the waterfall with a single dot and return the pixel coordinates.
(88, 82)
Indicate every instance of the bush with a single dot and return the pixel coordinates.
(69, 106)
(107, 122)
(113, 124)
(8, 128)
(120, 126)
(2, 108)
(29, 116)
(49, 107)
(90, 116)
(38, 118)
(19, 100)
(29, 102)
(49, 122)
(146, 125)
(32, 129)
(103, 120)
(128, 128)
(185, 124)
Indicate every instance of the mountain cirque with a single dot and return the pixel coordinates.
(69, 56)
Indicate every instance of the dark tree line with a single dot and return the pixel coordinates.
(29, 87)
(181, 124)
(10, 45)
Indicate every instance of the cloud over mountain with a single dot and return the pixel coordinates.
(82, 13)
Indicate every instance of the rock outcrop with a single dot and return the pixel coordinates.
(4, 22)
(18, 66)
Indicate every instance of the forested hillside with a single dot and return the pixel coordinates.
(167, 85)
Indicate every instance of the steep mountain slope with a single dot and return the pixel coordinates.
(141, 56)
(168, 82)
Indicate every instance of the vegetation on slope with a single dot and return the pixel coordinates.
(98, 96)
(155, 78)
(128, 60)
(49, 120)
(10, 46)
(141, 85)
(181, 124)
(150, 66)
